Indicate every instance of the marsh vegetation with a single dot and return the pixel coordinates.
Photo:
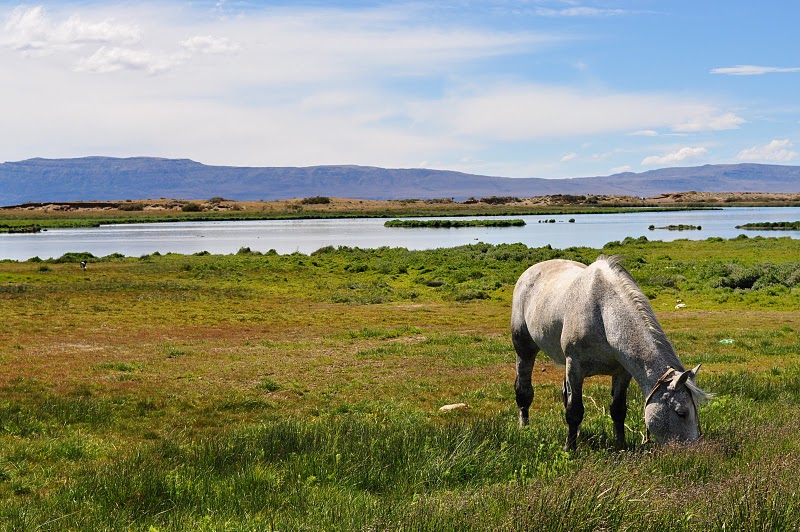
(677, 227)
(38, 216)
(775, 226)
(448, 224)
(301, 392)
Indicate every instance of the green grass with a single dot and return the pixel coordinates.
(778, 226)
(447, 224)
(291, 392)
(678, 227)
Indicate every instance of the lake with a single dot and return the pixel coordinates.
(306, 236)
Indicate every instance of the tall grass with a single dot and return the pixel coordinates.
(391, 470)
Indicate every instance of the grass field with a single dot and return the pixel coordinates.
(294, 392)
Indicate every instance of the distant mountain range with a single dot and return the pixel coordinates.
(107, 178)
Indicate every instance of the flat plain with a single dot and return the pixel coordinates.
(293, 392)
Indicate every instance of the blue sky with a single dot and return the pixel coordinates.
(517, 88)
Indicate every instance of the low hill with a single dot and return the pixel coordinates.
(106, 178)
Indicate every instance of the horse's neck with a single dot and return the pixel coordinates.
(641, 343)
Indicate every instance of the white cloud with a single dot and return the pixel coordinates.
(710, 122)
(775, 151)
(605, 155)
(752, 70)
(208, 44)
(331, 45)
(621, 169)
(112, 46)
(520, 112)
(114, 59)
(568, 156)
(644, 133)
(675, 157)
(289, 45)
(74, 30)
(32, 30)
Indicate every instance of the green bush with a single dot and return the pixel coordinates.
(316, 200)
(134, 206)
(73, 257)
(758, 276)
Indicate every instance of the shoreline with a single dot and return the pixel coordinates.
(77, 214)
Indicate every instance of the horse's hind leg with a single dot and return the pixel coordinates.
(572, 394)
(619, 406)
(526, 355)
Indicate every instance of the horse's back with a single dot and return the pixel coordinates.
(540, 304)
(544, 278)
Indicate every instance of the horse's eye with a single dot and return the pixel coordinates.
(681, 412)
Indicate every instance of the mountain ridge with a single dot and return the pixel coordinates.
(95, 178)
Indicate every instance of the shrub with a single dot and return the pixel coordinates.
(131, 207)
(758, 276)
(247, 251)
(439, 200)
(469, 294)
(73, 257)
(323, 251)
(268, 385)
(316, 200)
(500, 200)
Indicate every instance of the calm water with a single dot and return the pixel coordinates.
(306, 236)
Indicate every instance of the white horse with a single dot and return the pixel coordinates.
(594, 320)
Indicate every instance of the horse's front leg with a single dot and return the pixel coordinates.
(572, 394)
(619, 406)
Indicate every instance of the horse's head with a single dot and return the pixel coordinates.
(670, 410)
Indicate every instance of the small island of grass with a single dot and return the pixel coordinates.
(679, 227)
(32, 228)
(450, 224)
(771, 226)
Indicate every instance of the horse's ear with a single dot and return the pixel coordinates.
(695, 370)
(679, 380)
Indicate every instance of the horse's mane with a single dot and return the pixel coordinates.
(634, 295)
(699, 396)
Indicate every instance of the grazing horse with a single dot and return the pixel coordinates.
(594, 320)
